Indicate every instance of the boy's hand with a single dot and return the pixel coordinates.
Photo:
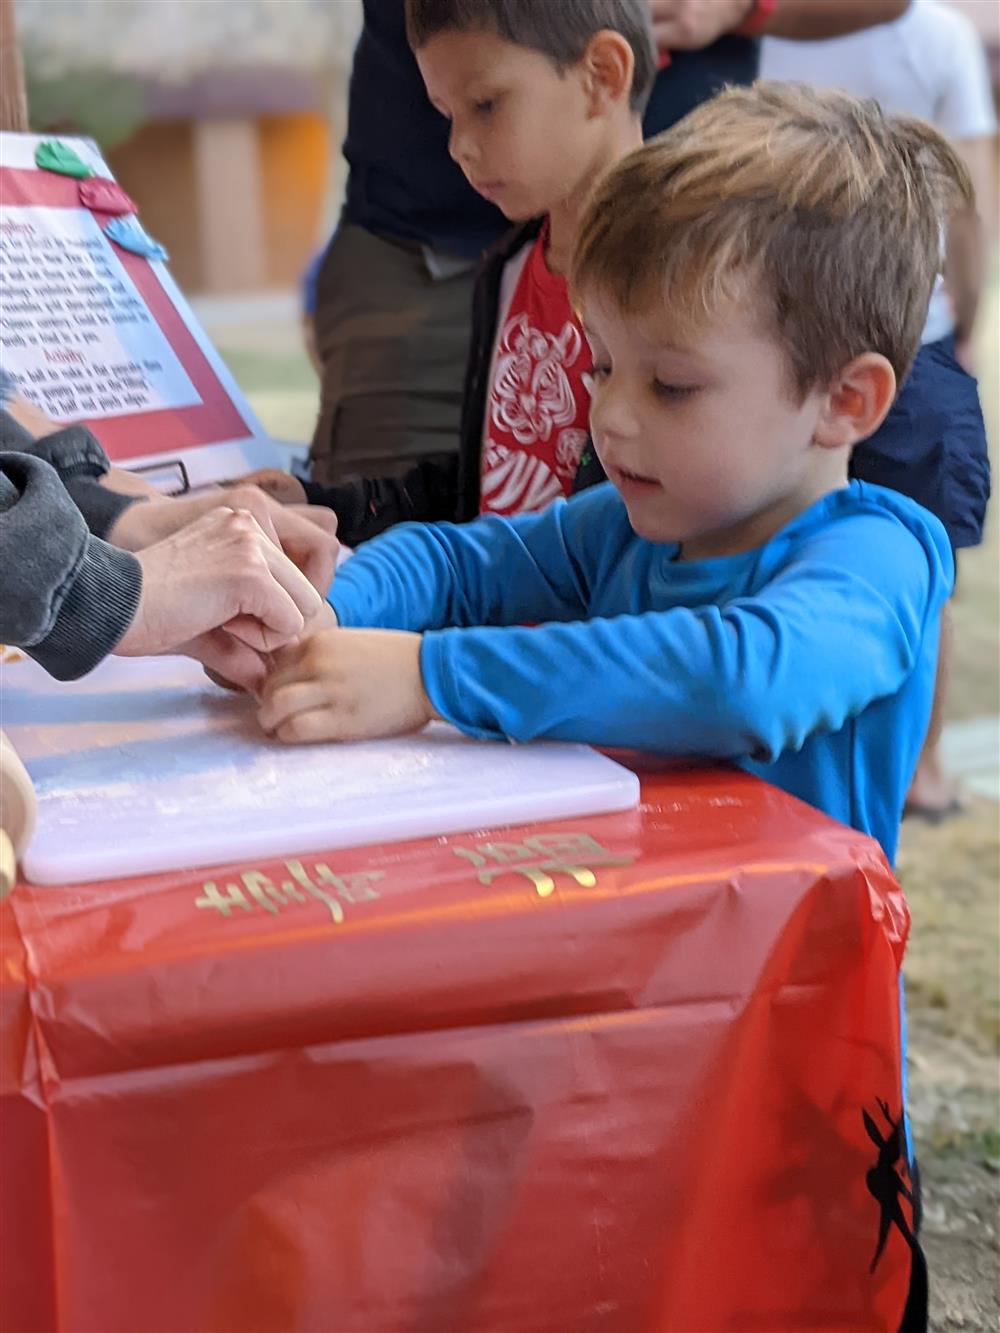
(346, 685)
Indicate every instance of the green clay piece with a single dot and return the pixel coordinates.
(51, 155)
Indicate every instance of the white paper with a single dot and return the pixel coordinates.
(17, 152)
(75, 335)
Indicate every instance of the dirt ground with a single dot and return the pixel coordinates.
(950, 878)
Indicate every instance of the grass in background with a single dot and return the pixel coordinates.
(975, 690)
(277, 379)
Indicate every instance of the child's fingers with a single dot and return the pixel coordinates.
(285, 676)
(309, 657)
(287, 662)
(281, 703)
(318, 724)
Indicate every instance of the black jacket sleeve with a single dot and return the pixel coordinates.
(369, 505)
(80, 461)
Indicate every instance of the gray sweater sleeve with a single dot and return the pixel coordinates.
(67, 597)
(80, 461)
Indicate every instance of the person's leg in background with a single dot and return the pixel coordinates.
(392, 340)
(933, 795)
(932, 447)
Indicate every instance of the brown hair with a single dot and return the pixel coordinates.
(560, 29)
(830, 208)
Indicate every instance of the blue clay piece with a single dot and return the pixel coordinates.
(129, 234)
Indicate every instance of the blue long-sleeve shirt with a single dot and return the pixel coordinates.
(809, 660)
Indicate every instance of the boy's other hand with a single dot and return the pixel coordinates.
(280, 486)
(346, 685)
(688, 25)
(307, 534)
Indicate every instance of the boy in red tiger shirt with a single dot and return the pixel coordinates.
(542, 100)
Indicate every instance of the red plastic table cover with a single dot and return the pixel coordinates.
(638, 1072)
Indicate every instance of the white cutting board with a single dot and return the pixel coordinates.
(144, 766)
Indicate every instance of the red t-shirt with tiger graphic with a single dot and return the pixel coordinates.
(538, 404)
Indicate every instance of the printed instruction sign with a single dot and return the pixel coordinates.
(75, 335)
(93, 329)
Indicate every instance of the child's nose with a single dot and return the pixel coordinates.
(460, 145)
(612, 414)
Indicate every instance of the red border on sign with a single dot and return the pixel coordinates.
(216, 419)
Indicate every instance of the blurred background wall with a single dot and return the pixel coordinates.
(223, 120)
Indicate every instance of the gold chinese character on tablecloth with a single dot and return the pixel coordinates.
(540, 857)
(256, 890)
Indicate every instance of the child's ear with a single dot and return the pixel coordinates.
(856, 402)
(608, 65)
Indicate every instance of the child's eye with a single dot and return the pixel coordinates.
(674, 392)
(485, 106)
(599, 372)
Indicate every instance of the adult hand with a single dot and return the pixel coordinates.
(251, 668)
(221, 573)
(280, 486)
(346, 685)
(123, 482)
(688, 25)
(307, 534)
(227, 661)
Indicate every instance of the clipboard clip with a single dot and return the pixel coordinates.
(170, 478)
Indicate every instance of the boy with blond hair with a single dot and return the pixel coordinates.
(753, 284)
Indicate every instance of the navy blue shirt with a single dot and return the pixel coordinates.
(402, 181)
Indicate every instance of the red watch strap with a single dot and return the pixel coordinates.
(760, 12)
